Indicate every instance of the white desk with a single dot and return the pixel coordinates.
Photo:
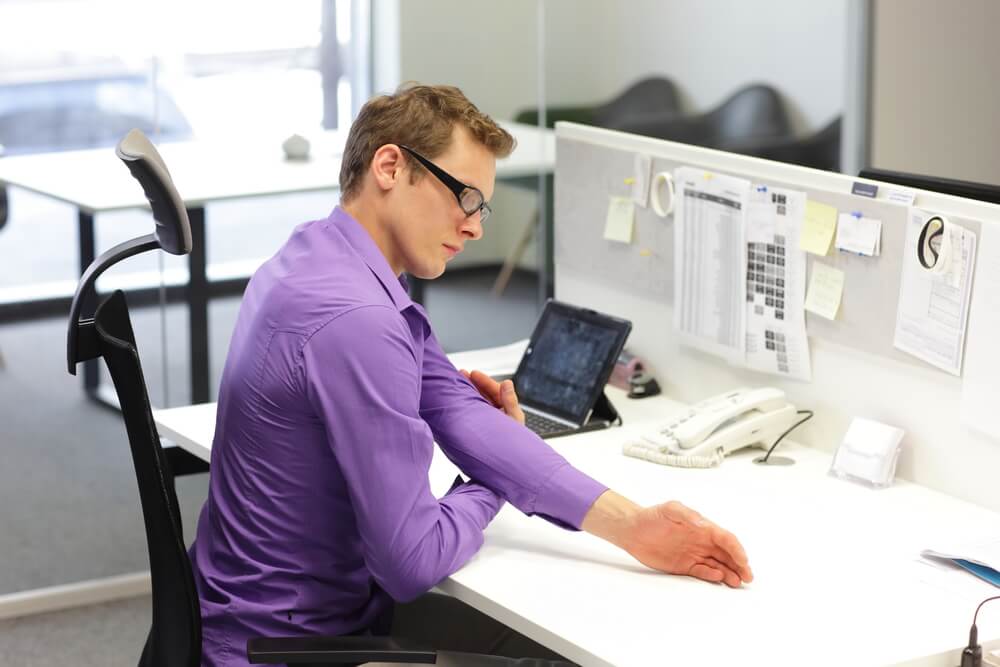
(94, 181)
(836, 576)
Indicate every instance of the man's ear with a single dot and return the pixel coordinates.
(387, 166)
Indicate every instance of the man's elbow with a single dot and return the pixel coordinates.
(407, 586)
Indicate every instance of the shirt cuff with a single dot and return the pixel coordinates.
(567, 496)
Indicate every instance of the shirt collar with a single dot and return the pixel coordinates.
(362, 243)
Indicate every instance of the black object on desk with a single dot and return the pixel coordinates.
(642, 385)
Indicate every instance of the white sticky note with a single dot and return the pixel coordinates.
(902, 196)
(818, 225)
(859, 235)
(825, 290)
(621, 220)
(640, 179)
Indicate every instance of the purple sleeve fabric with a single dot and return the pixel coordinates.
(411, 540)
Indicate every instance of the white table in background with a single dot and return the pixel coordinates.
(206, 171)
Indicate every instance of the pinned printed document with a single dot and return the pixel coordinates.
(826, 287)
(709, 275)
(640, 179)
(934, 303)
(818, 228)
(980, 389)
(621, 220)
(776, 283)
(858, 234)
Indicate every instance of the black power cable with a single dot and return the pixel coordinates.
(808, 415)
(972, 655)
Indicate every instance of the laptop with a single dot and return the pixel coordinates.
(560, 379)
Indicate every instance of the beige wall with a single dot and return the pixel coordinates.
(935, 99)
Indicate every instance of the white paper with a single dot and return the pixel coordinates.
(640, 179)
(775, 284)
(983, 552)
(709, 261)
(901, 196)
(981, 379)
(859, 235)
(492, 361)
(620, 221)
(934, 309)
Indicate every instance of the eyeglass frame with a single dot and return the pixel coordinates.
(456, 186)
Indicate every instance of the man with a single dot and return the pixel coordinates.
(319, 513)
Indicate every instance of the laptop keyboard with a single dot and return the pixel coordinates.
(542, 425)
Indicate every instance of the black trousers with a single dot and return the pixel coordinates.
(467, 637)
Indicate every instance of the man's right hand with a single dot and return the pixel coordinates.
(500, 394)
(671, 538)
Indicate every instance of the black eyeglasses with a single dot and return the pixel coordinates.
(469, 198)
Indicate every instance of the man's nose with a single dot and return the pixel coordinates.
(472, 226)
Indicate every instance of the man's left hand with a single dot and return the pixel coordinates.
(500, 394)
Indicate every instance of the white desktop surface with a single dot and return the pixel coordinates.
(206, 171)
(837, 580)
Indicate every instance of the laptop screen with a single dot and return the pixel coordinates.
(568, 360)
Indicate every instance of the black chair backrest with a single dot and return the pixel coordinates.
(175, 635)
(819, 151)
(751, 112)
(653, 94)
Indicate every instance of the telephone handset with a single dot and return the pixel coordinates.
(707, 431)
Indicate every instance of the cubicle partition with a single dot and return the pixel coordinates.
(856, 370)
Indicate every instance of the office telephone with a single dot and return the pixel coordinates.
(703, 434)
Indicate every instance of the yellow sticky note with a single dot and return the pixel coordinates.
(818, 227)
(621, 220)
(825, 289)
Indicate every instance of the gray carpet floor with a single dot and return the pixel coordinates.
(70, 510)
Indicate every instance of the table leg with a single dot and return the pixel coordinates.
(198, 307)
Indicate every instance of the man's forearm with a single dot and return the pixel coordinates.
(609, 518)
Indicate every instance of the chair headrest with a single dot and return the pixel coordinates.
(173, 230)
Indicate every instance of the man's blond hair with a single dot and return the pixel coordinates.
(421, 117)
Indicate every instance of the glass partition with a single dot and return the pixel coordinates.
(76, 75)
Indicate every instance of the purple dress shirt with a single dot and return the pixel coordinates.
(319, 510)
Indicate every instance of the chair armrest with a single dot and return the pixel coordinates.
(336, 650)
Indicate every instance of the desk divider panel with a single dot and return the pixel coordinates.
(587, 173)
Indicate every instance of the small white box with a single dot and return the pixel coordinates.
(868, 453)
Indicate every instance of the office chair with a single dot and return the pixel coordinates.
(652, 95)
(174, 638)
(820, 150)
(752, 113)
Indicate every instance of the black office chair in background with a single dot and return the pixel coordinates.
(754, 112)
(820, 150)
(174, 638)
(652, 95)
